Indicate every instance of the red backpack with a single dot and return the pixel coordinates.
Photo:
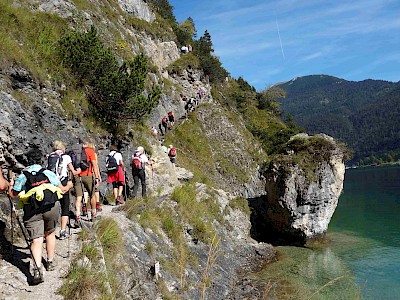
(137, 163)
(172, 152)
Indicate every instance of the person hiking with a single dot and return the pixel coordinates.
(86, 180)
(164, 122)
(171, 118)
(154, 131)
(96, 187)
(139, 161)
(116, 173)
(160, 127)
(60, 163)
(172, 155)
(39, 190)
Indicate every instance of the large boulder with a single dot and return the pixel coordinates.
(303, 189)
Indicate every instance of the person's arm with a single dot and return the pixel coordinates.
(72, 169)
(65, 188)
(12, 193)
(96, 171)
(121, 162)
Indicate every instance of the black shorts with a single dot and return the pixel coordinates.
(116, 184)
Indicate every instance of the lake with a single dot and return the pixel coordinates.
(360, 258)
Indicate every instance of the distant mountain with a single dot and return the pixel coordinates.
(365, 115)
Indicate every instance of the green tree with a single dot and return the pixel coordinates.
(164, 9)
(185, 32)
(267, 99)
(115, 92)
(209, 63)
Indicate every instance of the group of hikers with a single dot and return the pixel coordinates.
(193, 102)
(44, 192)
(167, 122)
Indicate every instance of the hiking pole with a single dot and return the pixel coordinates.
(14, 210)
(125, 194)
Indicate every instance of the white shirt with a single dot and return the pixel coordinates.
(117, 156)
(63, 169)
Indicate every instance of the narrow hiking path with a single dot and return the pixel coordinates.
(15, 273)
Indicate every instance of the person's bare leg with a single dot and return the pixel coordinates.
(36, 247)
(78, 205)
(64, 221)
(50, 244)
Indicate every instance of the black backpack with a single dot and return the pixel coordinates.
(55, 164)
(111, 163)
(79, 157)
(34, 179)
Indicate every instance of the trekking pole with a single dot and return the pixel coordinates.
(14, 210)
(11, 216)
(125, 193)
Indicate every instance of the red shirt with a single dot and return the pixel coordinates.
(91, 156)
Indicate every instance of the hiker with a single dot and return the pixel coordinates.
(60, 164)
(164, 122)
(116, 173)
(39, 190)
(86, 180)
(154, 131)
(96, 187)
(171, 118)
(139, 161)
(164, 148)
(172, 155)
(184, 49)
(160, 127)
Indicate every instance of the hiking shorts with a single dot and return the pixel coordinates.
(117, 184)
(86, 182)
(172, 159)
(40, 223)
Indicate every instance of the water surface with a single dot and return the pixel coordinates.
(360, 257)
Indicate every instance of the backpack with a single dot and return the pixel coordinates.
(79, 157)
(34, 179)
(55, 164)
(172, 152)
(137, 163)
(111, 163)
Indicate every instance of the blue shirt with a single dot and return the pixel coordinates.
(19, 184)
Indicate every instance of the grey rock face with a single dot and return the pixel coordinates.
(299, 209)
(138, 8)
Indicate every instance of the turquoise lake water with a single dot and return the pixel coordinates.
(360, 258)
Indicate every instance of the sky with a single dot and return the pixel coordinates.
(267, 42)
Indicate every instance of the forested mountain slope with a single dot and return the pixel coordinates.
(363, 114)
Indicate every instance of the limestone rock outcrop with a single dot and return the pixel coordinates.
(138, 8)
(300, 204)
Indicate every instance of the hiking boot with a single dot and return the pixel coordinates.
(98, 207)
(37, 276)
(63, 235)
(50, 266)
(84, 210)
(118, 201)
